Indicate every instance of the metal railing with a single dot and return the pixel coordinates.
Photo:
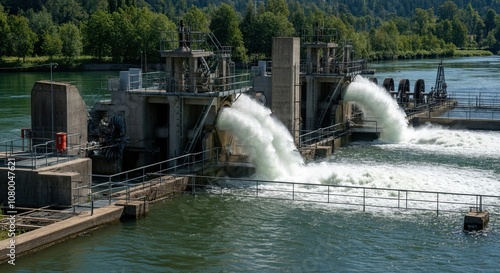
(348, 196)
(43, 154)
(46, 154)
(316, 137)
(480, 105)
(106, 187)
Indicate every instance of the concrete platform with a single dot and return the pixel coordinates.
(54, 233)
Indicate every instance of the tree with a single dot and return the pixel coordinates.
(445, 31)
(149, 32)
(97, 34)
(225, 26)
(385, 38)
(423, 22)
(40, 22)
(196, 20)
(22, 38)
(277, 26)
(474, 23)
(448, 10)
(278, 7)
(248, 27)
(122, 35)
(489, 20)
(52, 44)
(4, 31)
(459, 33)
(71, 41)
(91, 6)
(65, 11)
(297, 18)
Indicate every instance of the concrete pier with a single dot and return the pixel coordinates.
(52, 234)
(476, 220)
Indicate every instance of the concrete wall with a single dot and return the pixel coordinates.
(57, 107)
(285, 81)
(48, 186)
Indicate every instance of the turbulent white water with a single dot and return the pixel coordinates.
(382, 106)
(272, 151)
(266, 139)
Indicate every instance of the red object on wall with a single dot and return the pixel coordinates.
(25, 133)
(61, 142)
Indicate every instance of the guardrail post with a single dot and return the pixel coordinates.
(437, 204)
(257, 188)
(399, 198)
(364, 199)
(328, 196)
(293, 191)
(109, 191)
(193, 188)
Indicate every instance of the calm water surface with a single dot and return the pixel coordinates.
(207, 233)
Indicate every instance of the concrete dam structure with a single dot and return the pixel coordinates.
(172, 114)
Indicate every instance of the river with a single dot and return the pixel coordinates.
(212, 233)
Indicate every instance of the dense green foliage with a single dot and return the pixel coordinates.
(126, 30)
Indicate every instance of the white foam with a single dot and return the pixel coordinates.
(379, 103)
(266, 139)
(434, 139)
(272, 151)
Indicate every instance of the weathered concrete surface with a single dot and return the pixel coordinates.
(466, 124)
(51, 234)
(323, 151)
(59, 107)
(134, 209)
(285, 100)
(476, 220)
(155, 189)
(47, 186)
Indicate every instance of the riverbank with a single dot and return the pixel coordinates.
(87, 63)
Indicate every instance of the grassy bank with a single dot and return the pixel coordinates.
(41, 63)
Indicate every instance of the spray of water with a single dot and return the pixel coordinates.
(271, 149)
(378, 102)
(267, 141)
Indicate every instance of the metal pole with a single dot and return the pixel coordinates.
(364, 198)
(437, 204)
(109, 191)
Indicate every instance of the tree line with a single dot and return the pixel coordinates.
(125, 30)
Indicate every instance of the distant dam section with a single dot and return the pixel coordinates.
(462, 124)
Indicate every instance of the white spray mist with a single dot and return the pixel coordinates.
(379, 103)
(266, 140)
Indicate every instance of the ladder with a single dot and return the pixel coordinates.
(179, 108)
(198, 127)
